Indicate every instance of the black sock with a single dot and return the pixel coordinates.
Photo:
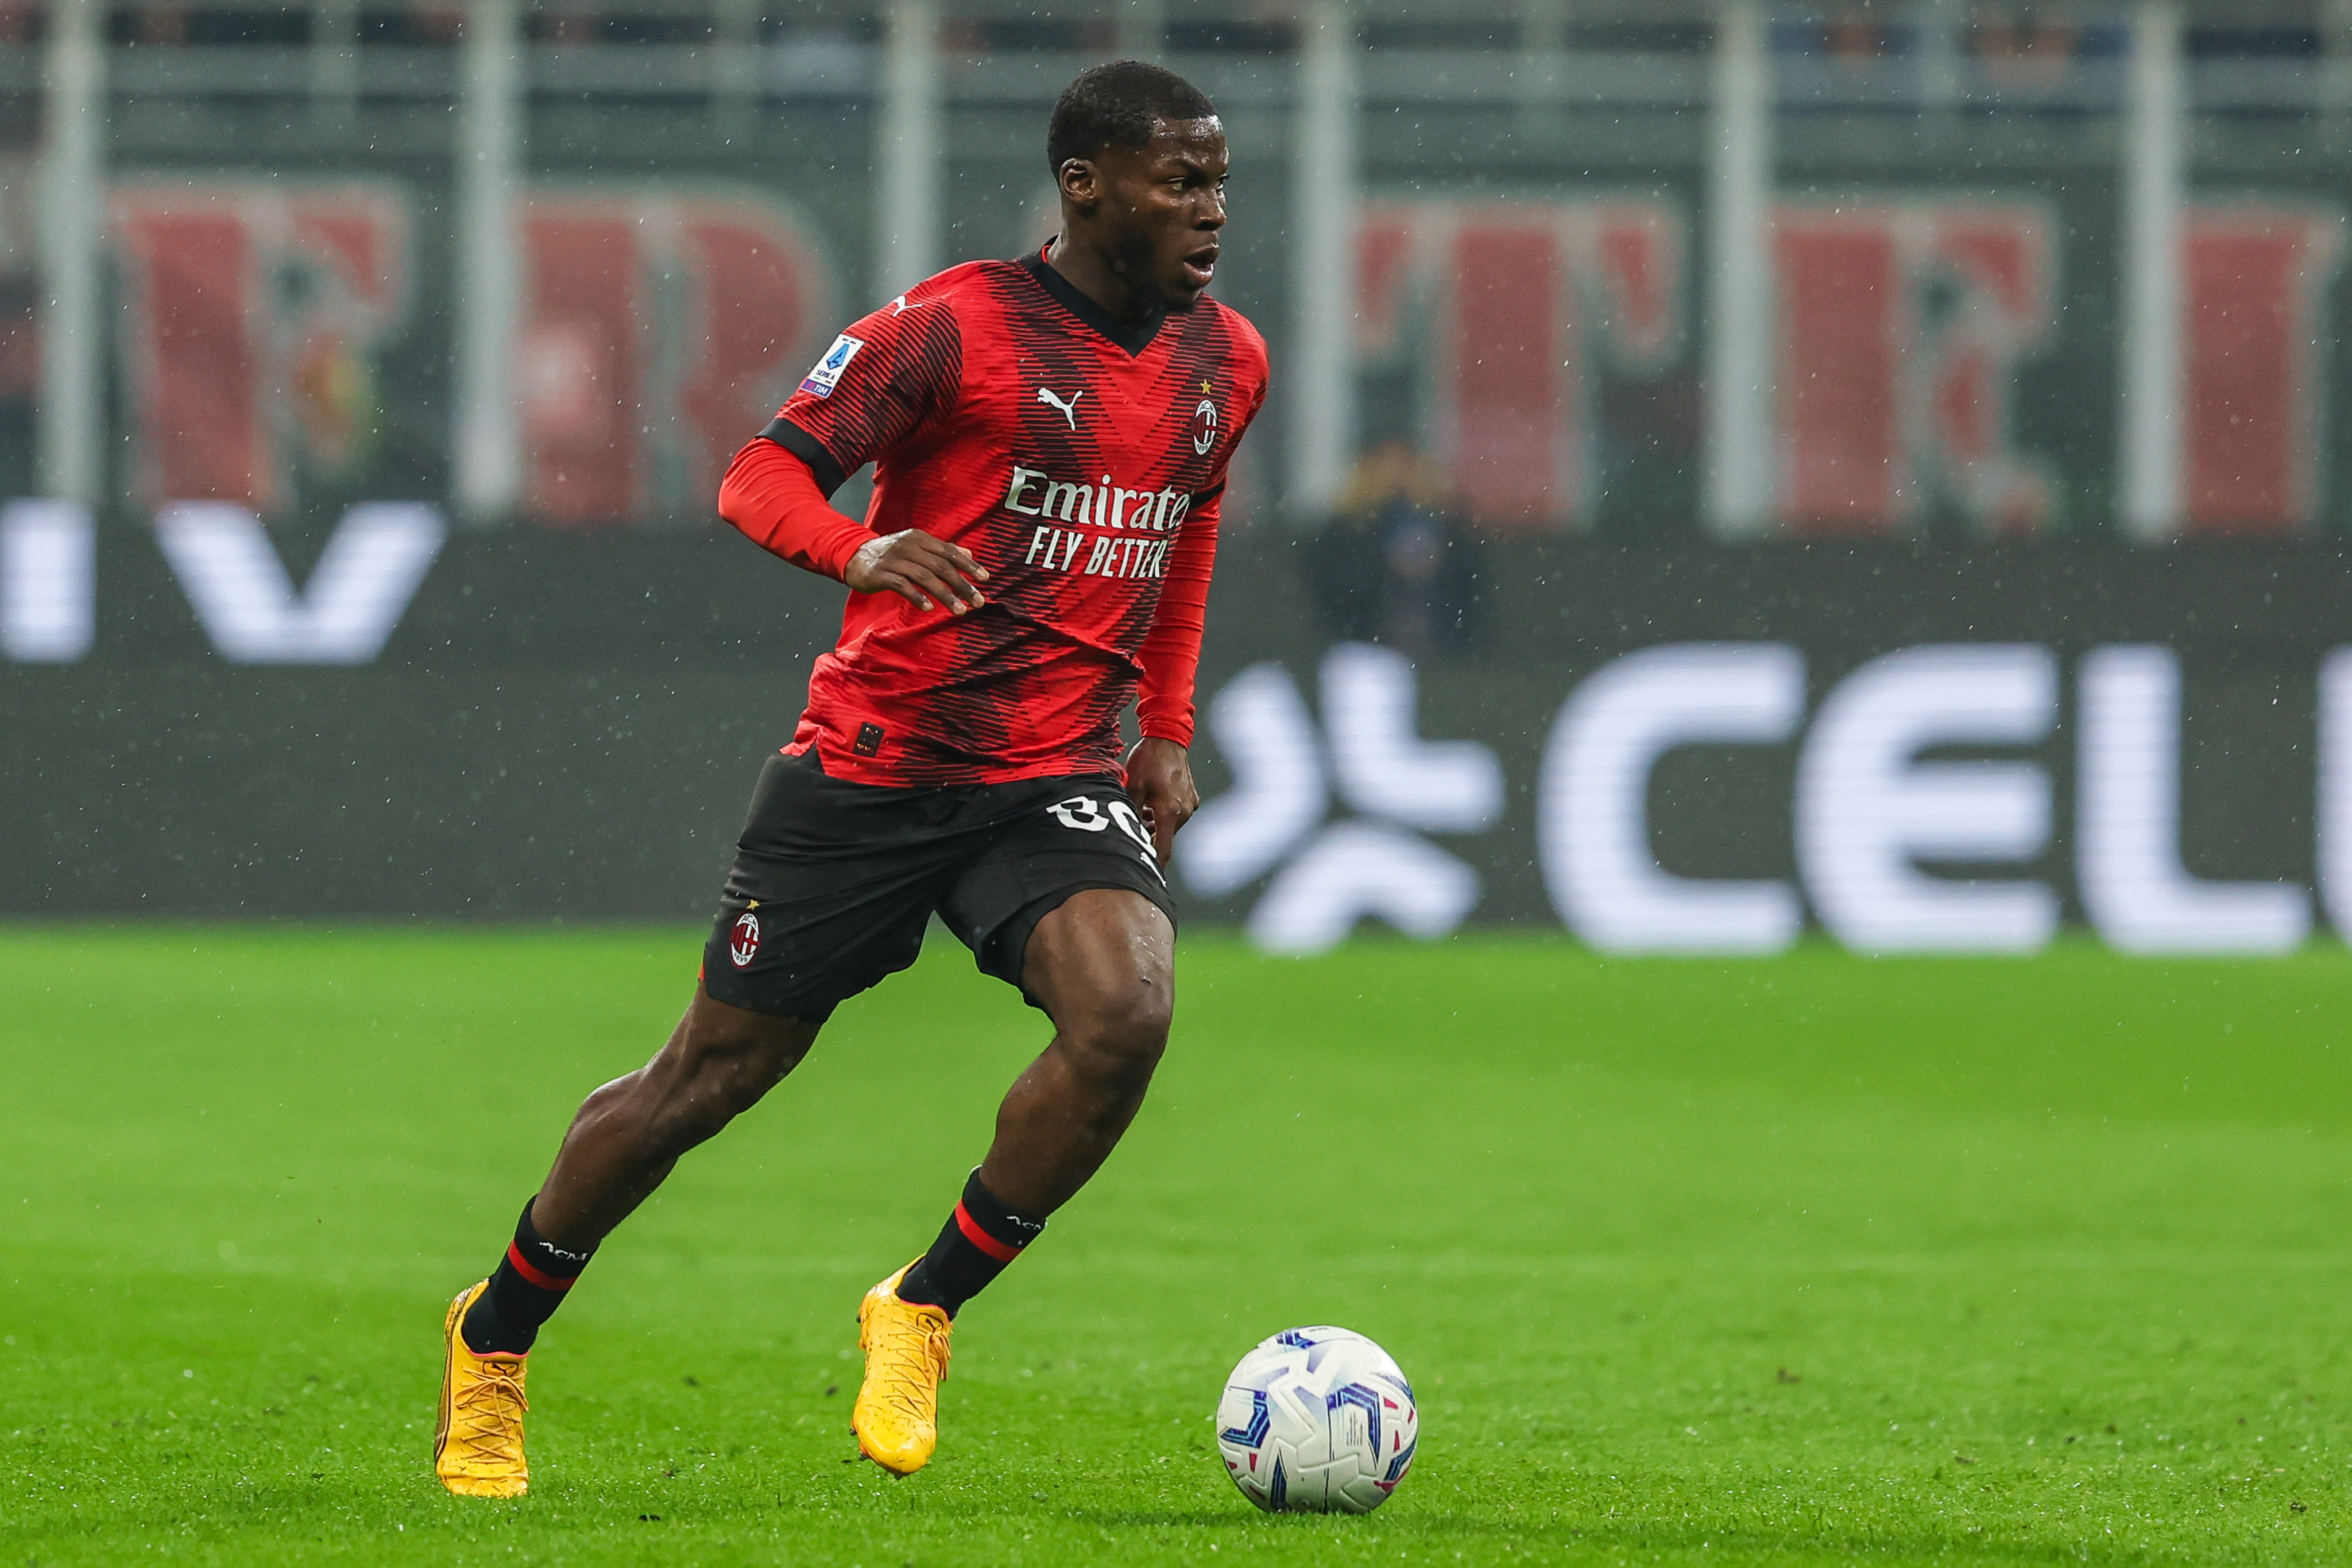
(979, 1240)
(524, 1293)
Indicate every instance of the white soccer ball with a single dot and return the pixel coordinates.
(1316, 1420)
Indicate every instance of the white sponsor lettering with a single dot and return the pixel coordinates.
(1032, 493)
(49, 581)
(1021, 477)
(248, 605)
(1866, 810)
(1076, 501)
(1888, 845)
(1592, 826)
(1147, 519)
(2128, 811)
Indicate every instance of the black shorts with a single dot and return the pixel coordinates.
(834, 883)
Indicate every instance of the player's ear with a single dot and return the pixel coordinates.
(1081, 182)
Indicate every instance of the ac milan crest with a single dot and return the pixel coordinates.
(743, 942)
(1205, 426)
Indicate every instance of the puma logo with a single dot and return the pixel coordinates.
(1070, 410)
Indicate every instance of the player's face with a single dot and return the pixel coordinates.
(1164, 203)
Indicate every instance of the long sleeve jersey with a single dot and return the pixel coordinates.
(1079, 458)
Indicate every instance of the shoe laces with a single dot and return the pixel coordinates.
(485, 1414)
(910, 1352)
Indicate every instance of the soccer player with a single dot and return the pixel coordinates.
(1050, 437)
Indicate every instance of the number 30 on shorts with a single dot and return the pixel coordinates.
(1089, 815)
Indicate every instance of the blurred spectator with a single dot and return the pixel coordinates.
(565, 26)
(2027, 44)
(1396, 565)
(160, 24)
(436, 23)
(1849, 34)
(1852, 38)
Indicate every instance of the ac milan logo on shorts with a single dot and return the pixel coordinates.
(743, 942)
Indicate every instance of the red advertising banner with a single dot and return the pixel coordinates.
(1902, 326)
(1509, 310)
(659, 333)
(253, 311)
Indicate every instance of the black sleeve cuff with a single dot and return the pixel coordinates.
(809, 450)
(1200, 498)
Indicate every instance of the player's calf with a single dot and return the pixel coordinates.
(625, 1140)
(628, 1134)
(718, 1064)
(1102, 966)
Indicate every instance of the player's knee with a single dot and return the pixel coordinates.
(1119, 1036)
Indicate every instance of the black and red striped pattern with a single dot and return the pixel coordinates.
(979, 1240)
(545, 1281)
(1082, 471)
(524, 1291)
(1003, 1251)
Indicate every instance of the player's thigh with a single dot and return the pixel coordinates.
(1057, 839)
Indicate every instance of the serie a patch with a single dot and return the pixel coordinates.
(826, 374)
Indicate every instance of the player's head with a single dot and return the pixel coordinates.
(1139, 155)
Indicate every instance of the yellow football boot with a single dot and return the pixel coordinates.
(477, 1448)
(906, 1346)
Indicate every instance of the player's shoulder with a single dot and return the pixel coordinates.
(1241, 338)
(932, 310)
(913, 340)
(959, 288)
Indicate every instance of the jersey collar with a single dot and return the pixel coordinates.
(1134, 337)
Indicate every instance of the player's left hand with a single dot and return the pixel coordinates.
(1159, 777)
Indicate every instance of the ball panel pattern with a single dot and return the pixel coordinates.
(1317, 1419)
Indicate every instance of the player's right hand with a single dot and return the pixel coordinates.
(921, 570)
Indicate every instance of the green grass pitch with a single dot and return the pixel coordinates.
(1818, 1260)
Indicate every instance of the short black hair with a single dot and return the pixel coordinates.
(1115, 106)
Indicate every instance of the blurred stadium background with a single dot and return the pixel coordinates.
(1732, 467)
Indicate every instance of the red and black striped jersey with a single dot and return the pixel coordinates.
(1081, 460)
